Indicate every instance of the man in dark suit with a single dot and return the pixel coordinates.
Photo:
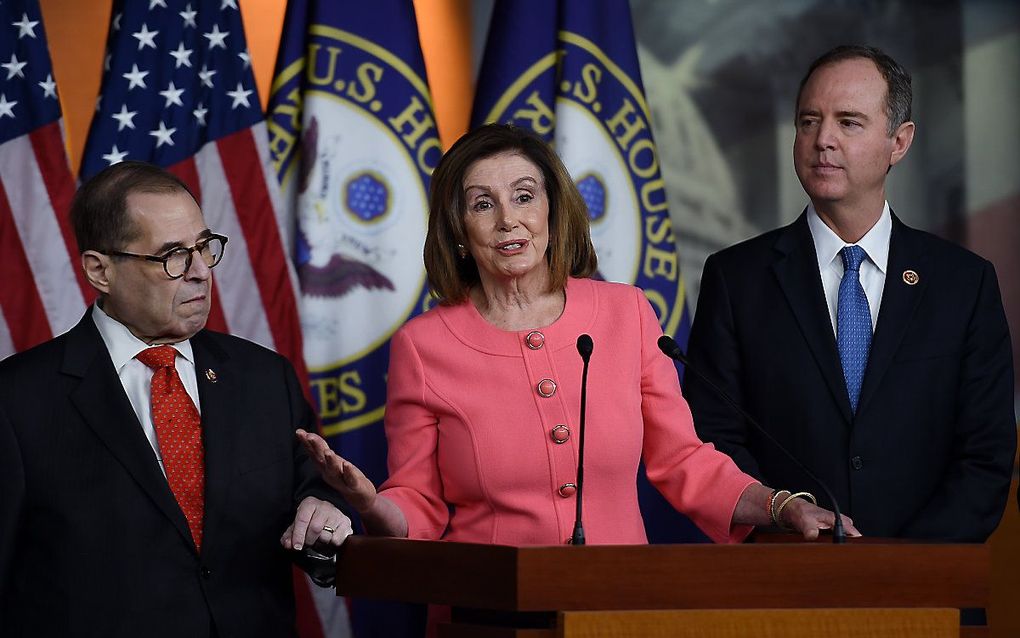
(149, 467)
(877, 354)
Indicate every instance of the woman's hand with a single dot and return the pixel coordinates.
(799, 514)
(339, 473)
(809, 519)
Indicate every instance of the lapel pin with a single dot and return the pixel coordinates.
(910, 277)
(211, 375)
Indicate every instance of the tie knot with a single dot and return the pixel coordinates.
(158, 357)
(852, 257)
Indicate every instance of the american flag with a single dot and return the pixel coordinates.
(42, 292)
(178, 91)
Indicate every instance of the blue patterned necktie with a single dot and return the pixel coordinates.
(853, 323)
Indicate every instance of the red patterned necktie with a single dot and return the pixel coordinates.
(179, 432)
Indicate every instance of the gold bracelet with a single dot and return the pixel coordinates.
(772, 506)
(779, 511)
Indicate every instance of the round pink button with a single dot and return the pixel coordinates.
(546, 388)
(560, 433)
(535, 340)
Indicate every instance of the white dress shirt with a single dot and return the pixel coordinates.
(873, 269)
(136, 377)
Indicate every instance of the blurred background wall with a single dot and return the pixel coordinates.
(721, 78)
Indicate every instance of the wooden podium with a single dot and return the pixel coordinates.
(771, 589)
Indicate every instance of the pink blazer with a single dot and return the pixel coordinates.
(478, 454)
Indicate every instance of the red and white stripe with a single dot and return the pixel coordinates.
(255, 283)
(285, 222)
(42, 290)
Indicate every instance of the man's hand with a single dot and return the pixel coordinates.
(318, 524)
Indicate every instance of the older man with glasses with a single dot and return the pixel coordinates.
(149, 466)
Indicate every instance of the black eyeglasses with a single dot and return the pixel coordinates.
(177, 262)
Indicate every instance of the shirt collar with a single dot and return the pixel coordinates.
(122, 345)
(828, 244)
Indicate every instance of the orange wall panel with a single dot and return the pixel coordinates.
(76, 30)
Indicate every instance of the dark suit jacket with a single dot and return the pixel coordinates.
(92, 542)
(929, 453)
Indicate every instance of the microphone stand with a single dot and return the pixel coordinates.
(584, 348)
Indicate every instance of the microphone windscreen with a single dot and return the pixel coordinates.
(584, 346)
(670, 348)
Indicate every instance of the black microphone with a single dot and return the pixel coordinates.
(670, 348)
(584, 348)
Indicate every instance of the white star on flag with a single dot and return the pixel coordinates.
(240, 96)
(189, 16)
(182, 55)
(205, 75)
(216, 37)
(245, 57)
(163, 135)
(14, 67)
(172, 95)
(136, 77)
(125, 118)
(199, 114)
(156, 3)
(228, 4)
(6, 108)
(48, 86)
(115, 156)
(145, 37)
(26, 26)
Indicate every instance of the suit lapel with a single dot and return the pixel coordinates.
(796, 269)
(899, 302)
(104, 406)
(219, 392)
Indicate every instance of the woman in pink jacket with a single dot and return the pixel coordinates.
(484, 390)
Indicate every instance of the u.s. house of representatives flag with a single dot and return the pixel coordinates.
(568, 70)
(354, 142)
(42, 292)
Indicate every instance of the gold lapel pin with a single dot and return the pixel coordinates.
(211, 375)
(910, 277)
